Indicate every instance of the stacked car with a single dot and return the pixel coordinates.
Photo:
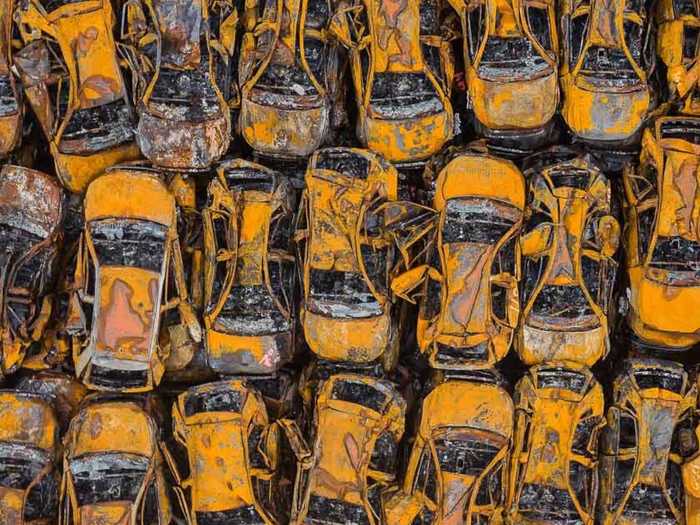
(377, 262)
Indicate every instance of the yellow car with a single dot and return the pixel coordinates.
(113, 471)
(73, 81)
(290, 77)
(346, 255)
(553, 472)
(232, 451)
(662, 240)
(649, 434)
(511, 60)
(677, 38)
(31, 206)
(11, 103)
(184, 117)
(29, 478)
(568, 268)
(357, 425)
(469, 289)
(249, 273)
(128, 252)
(402, 69)
(457, 471)
(605, 71)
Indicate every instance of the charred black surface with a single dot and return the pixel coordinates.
(8, 98)
(468, 457)
(255, 442)
(360, 394)
(131, 243)
(117, 379)
(548, 503)
(191, 91)
(98, 128)
(243, 516)
(343, 161)
(659, 378)
(557, 377)
(325, 511)
(484, 226)
(385, 453)
(510, 56)
(676, 254)
(108, 477)
(42, 499)
(213, 400)
(398, 96)
(648, 502)
(447, 355)
(568, 302)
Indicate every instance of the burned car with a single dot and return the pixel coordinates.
(677, 46)
(184, 113)
(554, 472)
(458, 468)
(468, 286)
(346, 255)
(29, 478)
(402, 71)
(73, 81)
(568, 245)
(662, 239)
(511, 59)
(11, 100)
(129, 251)
(232, 453)
(31, 208)
(605, 71)
(650, 432)
(290, 76)
(113, 468)
(357, 425)
(249, 273)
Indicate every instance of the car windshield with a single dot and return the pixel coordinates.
(129, 242)
(475, 220)
(20, 465)
(102, 478)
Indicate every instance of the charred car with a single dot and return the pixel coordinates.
(73, 80)
(605, 71)
(113, 469)
(554, 471)
(568, 245)
(31, 208)
(678, 45)
(650, 432)
(511, 59)
(232, 451)
(11, 100)
(187, 64)
(357, 425)
(468, 287)
(458, 468)
(402, 71)
(29, 445)
(291, 77)
(662, 238)
(129, 253)
(346, 255)
(249, 273)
